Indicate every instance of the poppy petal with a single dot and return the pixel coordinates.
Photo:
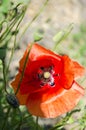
(57, 105)
(78, 69)
(67, 76)
(71, 70)
(37, 52)
(15, 82)
(21, 98)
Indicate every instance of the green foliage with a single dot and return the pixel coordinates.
(66, 120)
(75, 45)
(62, 35)
(78, 43)
(4, 8)
(3, 51)
(9, 25)
(38, 35)
(1, 64)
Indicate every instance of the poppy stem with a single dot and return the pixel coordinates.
(64, 120)
(62, 35)
(4, 76)
(35, 17)
(23, 69)
(37, 123)
(12, 52)
(5, 120)
(21, 117)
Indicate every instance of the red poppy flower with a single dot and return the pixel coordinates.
(48, 88)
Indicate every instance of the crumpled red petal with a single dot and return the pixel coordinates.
(57, 104)
(37, 52)
(78, 70)
(22, 98)
(71, 70)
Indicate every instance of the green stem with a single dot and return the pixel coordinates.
(64, 121)
(27, 116)
(23, 69)
(21, 117)
(14, 44)
(11, 25)
(62, 35)
(37, 123)
(3, 36)
(29, 52)
(57, 126)
(4, 75)
(35, 17)
(5, 70)
(5, 120)
(5, 33)
(75, 127)
(61, 123)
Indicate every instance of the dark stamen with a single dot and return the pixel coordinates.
(42, 84)
(42, 68)
(39, 76)
(50, 68)
(56, 75)
(52, 83)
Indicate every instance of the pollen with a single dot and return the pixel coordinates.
(46, 75)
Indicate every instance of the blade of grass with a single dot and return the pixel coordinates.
(35, 17)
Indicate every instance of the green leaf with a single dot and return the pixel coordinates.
(62, 35)
(5, 6)
(58, 37)
(0, 62)
(38, 35)
(71, 120)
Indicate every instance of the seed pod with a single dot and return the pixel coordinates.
(12, 100)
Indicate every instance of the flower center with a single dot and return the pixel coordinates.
(45, 75)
